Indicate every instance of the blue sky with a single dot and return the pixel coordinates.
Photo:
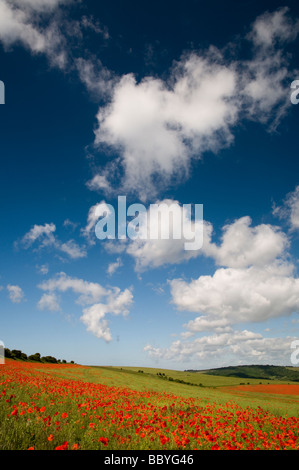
(186, 104)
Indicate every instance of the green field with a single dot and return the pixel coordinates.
(73, 407)
(205, 387)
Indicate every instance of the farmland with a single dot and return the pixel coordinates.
(75, 407)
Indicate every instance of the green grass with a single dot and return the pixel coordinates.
(212, 388)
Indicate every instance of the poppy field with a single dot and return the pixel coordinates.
(50, 407)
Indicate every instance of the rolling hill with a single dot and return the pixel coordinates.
(264, 372)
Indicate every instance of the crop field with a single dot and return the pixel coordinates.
(74, 407)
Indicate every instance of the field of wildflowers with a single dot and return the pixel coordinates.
(42, 411)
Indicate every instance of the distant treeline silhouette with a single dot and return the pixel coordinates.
(20, 355)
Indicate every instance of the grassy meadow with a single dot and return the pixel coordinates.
(204, 387)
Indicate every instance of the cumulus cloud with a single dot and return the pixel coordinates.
(97, 301)
(157, 127)
(290, 209)
(167, 234)
(16, 294)
(236, 347)
(49, 302)
(207, 323)
(90, 292)
(21, 23)
(43, 27)
(93, 317)
(237, 295)
(252, 294)
(254, 281)
(265, 77)
(241, 244)
(43, 233)
(44, 236)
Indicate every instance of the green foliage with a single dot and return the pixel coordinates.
(35, 357)
(7, 353)
(49, 359)
(265, 372)
(177, 380)
(17, 354)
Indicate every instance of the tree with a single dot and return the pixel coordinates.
(50, 359)
(35, 357)
(17, 354)
(7, 353)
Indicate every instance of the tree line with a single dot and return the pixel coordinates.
(20, 355)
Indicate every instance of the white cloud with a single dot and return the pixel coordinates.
(112, 267)
(49, 302)
(43, 27)
(272, 28)
(97, 300)
(265, 78)
(235, 347)
(174, 230)
(290, 209)
(20, 22)
(72, 249)
(117, 303)
(158, 127)
(43, 235)
(99, 183)
(255, 283)
(208, 323)
(155, 126)
(233, 295)
(98, 79)
(16, 294)
(69, 224)
(38, 5)
(43, 269)
(243, 245)
(93, 318)
(90, 292)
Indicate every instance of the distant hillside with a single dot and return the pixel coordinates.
(265, 372)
